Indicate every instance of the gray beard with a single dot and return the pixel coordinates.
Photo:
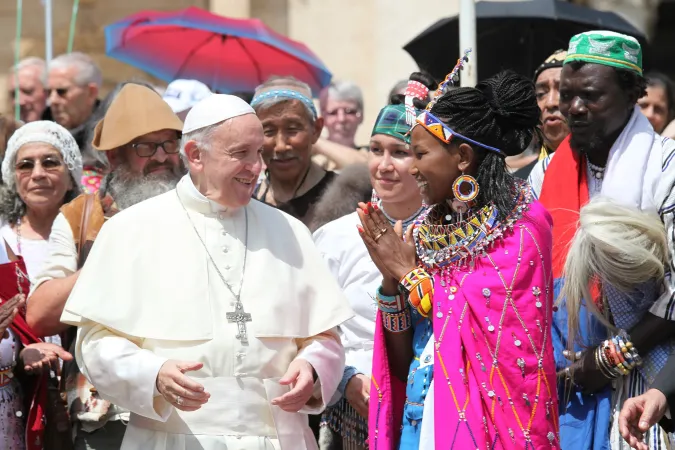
(128, 188)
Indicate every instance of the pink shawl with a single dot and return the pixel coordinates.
(494, 372)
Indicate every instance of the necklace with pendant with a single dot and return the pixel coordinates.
(238, 316)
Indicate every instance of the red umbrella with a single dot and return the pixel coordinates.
(229, 55)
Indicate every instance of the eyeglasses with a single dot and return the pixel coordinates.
(345, 111)
(61, 92)
(48, 164)
(148, 149)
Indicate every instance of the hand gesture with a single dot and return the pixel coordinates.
(393, 256)
(42, 356)
(181, 391)
(9, 310)
(300, 375)
(357, 394)
(638, 414)
(586, 374)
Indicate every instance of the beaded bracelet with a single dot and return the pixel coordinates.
(420, 288)
(603, 365)
(617, 356)
(390, 303)
(397, 322)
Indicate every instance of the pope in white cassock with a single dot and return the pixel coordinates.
(211, 317)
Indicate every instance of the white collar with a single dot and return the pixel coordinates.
(198, 201)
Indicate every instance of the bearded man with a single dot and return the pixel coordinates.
(211, 284)
(141, 137)
(612, 152)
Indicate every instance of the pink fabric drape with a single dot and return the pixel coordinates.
(494, 372)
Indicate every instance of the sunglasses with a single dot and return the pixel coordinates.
(61, 92)
(148, 149)
(48, 164)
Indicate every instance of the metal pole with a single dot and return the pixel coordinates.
(49, 46)
(17, 53)
(73, 19)
(467, 39)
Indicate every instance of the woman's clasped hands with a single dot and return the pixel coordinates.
(393, 255)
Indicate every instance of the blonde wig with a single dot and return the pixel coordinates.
(615, 245)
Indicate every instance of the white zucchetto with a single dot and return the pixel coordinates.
(214, 109)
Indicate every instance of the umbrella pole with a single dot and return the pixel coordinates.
(17, 53)
(467, 39)
(48, 30)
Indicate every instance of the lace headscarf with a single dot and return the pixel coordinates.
(49, 133)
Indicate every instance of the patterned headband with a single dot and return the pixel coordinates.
(435, 126)
(285, 94)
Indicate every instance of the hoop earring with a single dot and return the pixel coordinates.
(457, 188)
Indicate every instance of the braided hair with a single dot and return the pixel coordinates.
(501, 112)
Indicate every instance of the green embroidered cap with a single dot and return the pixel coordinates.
(391, 121)
(608, 48)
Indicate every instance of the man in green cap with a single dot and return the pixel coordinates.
(613, 152)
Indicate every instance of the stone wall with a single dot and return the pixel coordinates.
(93, 16)
(359, 40)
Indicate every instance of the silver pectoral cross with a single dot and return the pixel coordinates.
(240, 317)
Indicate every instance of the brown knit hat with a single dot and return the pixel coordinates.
(136, 111)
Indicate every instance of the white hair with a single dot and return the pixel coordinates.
(342, 91)
(616, 245)
(31, 62)
(201, 136)
(87, 70)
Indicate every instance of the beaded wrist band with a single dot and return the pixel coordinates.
(390, 303)
(420, 288)
(397, 322)
(617, 356)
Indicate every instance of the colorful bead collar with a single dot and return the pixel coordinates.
(463, 242)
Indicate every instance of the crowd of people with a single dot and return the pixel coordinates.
(184, 269)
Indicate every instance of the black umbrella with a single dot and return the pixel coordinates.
(516, 35)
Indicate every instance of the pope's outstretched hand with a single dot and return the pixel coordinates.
(181, 391)
(300, 375)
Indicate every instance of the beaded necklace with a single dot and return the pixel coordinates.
(441, 246)
(406, 222)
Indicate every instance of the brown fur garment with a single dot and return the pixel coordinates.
(343, 195)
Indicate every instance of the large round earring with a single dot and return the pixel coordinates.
(460, 184)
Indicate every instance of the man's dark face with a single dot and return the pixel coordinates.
(594, 104)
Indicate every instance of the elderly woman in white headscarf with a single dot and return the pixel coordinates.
(41, 169)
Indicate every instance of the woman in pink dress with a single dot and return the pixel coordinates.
(476, 269)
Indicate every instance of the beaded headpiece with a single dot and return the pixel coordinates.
(450, 79)
(414, 90)
(436, 126)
